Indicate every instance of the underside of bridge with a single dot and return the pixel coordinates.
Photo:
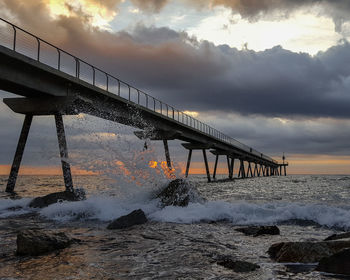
(47, 90)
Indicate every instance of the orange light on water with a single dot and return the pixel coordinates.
(169, 173)
(153, 164)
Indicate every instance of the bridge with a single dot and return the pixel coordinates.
(54, 82)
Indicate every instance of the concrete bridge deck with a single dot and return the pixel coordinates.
(54, 82)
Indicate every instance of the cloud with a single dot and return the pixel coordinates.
(199, 76)
(151, 5)
(254, 10)
(240, 91)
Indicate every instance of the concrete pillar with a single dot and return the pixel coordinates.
(188, 162)
(11, 183)
(230, 174)
(242, 170)
(62, 144)
(215, 166)
(232, 166)
(206, 164)
(167, 154)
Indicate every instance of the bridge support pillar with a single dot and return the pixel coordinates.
(206, 164)
(232, 166)
(188, 162)
(215, 166)
(241, 173)
(285, 170)
(62, 144)
(167, 154)
(229, 169)
(11, 183)
(249, 170)
(255, 169)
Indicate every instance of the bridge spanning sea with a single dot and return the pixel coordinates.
(55, 82)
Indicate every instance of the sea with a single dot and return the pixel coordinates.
(177, 242)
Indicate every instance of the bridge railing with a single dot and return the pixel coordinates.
(26, 43)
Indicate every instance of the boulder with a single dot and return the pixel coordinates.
(236, 265)
(305, 252)
(338, 236)
(259, 230)
(179, 192)
(44, 201)
(339, 263)
(36, 242)
(136, 217)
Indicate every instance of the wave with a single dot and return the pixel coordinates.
(237, 213)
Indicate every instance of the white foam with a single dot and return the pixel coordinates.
(10, 207)
(99, 208)
(238, 213)
(242, 213)
(105, 208)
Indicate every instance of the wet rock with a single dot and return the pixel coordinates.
(136, 217)
(339, 263)
(305, 252)
(300, 268)
(37, 242)
(259, 230)
(236, 265)
(179, 192)
(300, 222)
(44, 201)
(338, 236)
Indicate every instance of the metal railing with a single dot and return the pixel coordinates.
(26, 43)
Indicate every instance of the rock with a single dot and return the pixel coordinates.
(136, 217)
(259, 230)
(44, 201)
(236, 265)
(305, 252)
(179, 192)
(274, 249)
(338, 236)
(38, 242)
(339, 263)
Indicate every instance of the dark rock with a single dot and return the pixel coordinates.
(338, 236)
(259, 230)
(136, 217)
(305, 252)
(37, 242)
(236, 265)
(300, 222)
(300, 268)
(179, 192)
(339, 263)
(44, 201)
(274, 249)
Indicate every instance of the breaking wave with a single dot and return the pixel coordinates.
(238, 213)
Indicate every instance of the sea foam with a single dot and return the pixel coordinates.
(105, 208)
(237, 213)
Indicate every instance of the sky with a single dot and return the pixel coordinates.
(273, 74)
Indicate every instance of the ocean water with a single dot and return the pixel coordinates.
(177, 243)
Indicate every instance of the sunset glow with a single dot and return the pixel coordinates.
(97, 14)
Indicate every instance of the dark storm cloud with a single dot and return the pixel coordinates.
(271, 135)
(199, 76)
(256, 9)
(195, 75)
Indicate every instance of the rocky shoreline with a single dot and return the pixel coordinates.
(137, 249)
